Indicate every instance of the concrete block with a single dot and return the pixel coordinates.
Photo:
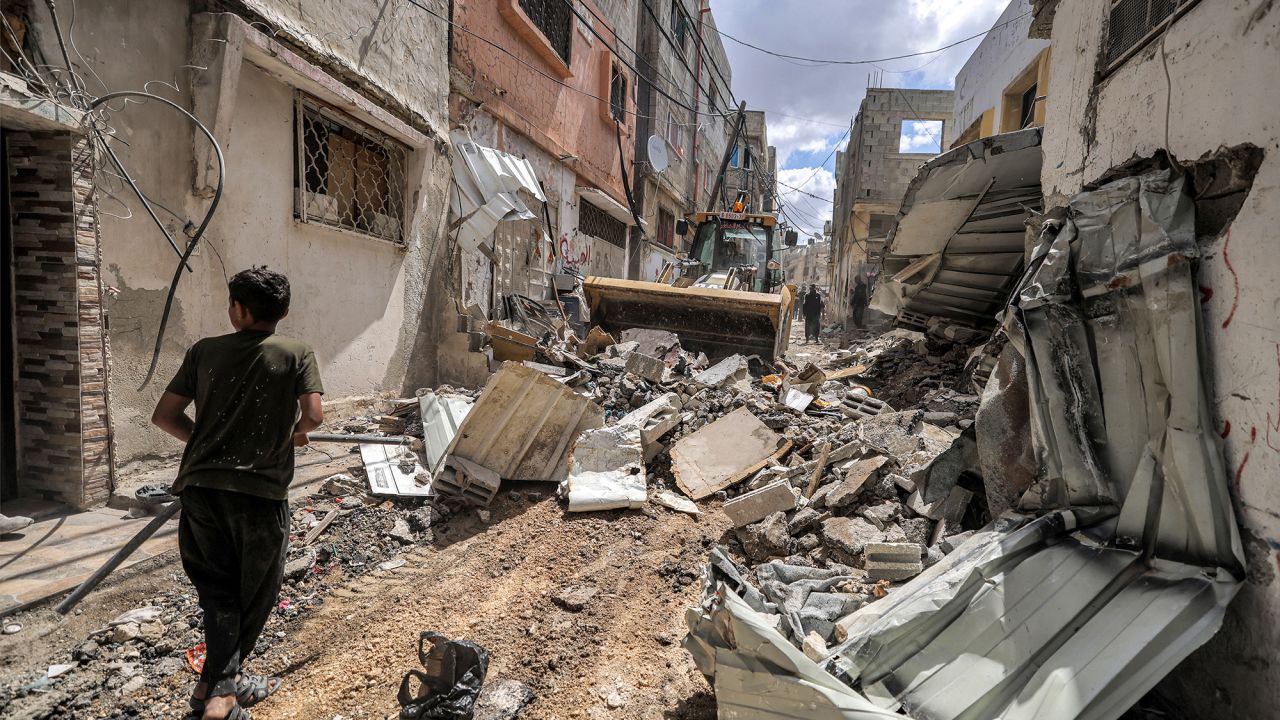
(892, 561)
(649, 368)
(759, 504)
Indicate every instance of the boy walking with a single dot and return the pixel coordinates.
(256, 396)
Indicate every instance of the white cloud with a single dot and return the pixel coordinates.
(921, 136)
(829, 95)
(805, 212)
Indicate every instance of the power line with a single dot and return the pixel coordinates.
(873, 61)
(802, 192)
(822, 165)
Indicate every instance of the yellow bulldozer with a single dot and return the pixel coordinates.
(727, 296)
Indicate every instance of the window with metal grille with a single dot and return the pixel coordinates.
(553, 18)
(675, 134)
(617, 94)
(346, 174)
(1134, 23)
(666, 227)
(599, 224)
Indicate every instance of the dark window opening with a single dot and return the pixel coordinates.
(666, 227)
(553, 18)
(618, 94)
(680, 26)
(599, 224)
(1028, 106)
(1134, 23)
(879, 226)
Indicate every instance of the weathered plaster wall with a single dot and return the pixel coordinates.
(358, 301)
(1221, 90)
(560, 118)
(1001, 56)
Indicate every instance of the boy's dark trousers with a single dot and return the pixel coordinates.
(233, 547)
(811, 327)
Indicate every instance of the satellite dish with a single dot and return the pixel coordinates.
(658, 153)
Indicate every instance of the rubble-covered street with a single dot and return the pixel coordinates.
(586, 609)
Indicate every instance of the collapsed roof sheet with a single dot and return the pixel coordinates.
(960, 230)
(1135, 552)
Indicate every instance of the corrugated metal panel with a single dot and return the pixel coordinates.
(522, 425)
(441, 415)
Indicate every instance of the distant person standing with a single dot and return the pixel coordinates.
(812, 314)
(859, 300)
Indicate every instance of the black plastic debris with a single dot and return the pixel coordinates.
(447, 690)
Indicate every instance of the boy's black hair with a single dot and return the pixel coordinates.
(264, 292)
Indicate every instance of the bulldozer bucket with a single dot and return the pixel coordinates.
(716, 322)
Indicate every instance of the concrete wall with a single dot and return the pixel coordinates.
(1221, 59)
(806, 264)
(1001, 56)
(753, 180)
(872, 175)
(560, 117)
(365, 332)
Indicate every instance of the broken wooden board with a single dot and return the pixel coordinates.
(521, 426)
(842, 373)
(510, 344)
(721, 453)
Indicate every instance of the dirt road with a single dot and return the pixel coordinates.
(495, 585)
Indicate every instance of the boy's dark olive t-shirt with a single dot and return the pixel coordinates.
(246, 387)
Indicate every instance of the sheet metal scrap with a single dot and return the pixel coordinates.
(1133, 557)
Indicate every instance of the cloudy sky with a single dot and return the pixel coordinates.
(809, 107)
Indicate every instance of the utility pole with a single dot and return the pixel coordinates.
(728, 150)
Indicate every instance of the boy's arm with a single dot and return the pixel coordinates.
(171, 416)
(312, 416)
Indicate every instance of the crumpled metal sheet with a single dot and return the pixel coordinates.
(488, 183)
(606, 470)
(956, 247)
(1134, 555)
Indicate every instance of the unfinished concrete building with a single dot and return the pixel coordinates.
(894, 132)
(753, 165)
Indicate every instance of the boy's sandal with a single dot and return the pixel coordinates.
(253, 689)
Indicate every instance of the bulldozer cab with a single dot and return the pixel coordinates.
(735, 250)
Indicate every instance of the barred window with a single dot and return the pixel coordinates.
(666, 227)
(1134, 23)
(597, 223)
(553, 18)
(680, 26)
(351, 176)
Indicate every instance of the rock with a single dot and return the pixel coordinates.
(804, 520)
(483, 515)
(933, 556)
(88, 650)
(341, 485)
(854, 474)
(807, 543)
(574, 598)
(502, 699)
(133, 685)
(916, 530)
(151, 631)
(400, 532)
(941, 419)
(880, 515)
(814, 647)
(124, 632)
(423, 518)
(614, 700)
(846, 537)
(297, 568)
(765, 539)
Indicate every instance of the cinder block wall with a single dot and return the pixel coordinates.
(62, 434)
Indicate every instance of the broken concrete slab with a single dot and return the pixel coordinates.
(654, 343)
(522, 424)
(725, 372)
(654, 419)
(853, 475)
(644, 366)
(759, 504)
(721, 453)
(950, 508)
(846, 537)
(892, 561)
(672, 501)
(765, 539)
(606, 470)
(471, 482)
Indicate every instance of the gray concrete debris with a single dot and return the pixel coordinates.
(721, 453)
(299, 566)
(814, 647)
(672, 501)
(892, 561)
(854, 405)
(853, 475)
(467, 481)
(654, 343)
(758, 504)
(644, 366)
(726, 372)
(846, 537)
(765, 539)
(879, 515)
(949, 543)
